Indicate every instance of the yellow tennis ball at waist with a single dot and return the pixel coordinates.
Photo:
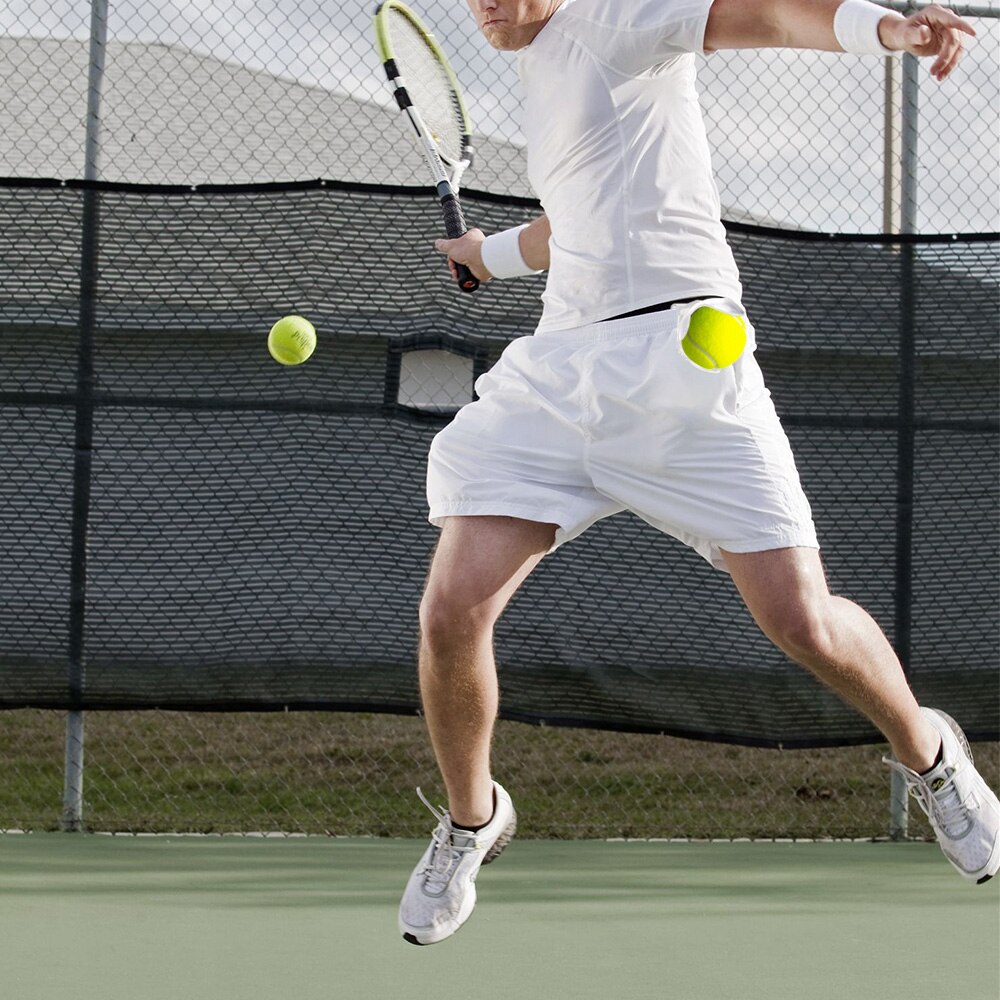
(714, 339)
(291, 340)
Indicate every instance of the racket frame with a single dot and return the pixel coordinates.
(446, 184)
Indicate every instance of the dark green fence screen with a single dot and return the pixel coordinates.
(186, 524)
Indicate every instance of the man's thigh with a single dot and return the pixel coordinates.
(778, 584)
(480, 561)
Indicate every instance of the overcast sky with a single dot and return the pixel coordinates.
(796, 136)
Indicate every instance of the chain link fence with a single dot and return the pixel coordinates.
(241, 92)
(351, 774)
(248, 93)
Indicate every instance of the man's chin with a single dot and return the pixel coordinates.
(499, 39)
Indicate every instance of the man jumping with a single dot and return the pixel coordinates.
(600, 411)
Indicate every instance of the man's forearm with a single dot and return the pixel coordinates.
(853, 26)
(761, 24)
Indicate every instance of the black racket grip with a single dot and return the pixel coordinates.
(454, 226)
(467, 281)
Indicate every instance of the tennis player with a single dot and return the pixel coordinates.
(600, 411)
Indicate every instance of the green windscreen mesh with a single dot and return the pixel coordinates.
(186, 524)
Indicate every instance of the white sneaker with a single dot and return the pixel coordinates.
(961, 807)
(441, 893)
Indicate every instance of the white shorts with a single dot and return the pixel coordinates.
(573, 425)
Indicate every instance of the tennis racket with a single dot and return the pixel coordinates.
(431, 99)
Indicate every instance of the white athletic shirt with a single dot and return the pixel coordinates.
(618, 156)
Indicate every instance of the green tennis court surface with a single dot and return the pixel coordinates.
(217, 918)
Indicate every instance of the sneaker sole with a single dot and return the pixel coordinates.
(957, 730)
(506, 836)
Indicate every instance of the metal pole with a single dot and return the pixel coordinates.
(95, 81)
(72, 808)
(910, 128)
(890, 149)
(898, 800)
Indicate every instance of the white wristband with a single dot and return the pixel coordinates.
(856, 26)
(502, 254)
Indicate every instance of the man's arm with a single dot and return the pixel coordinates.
(809, 24)
(532, 242)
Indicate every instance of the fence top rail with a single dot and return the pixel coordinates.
(962, 9)
(406, 190)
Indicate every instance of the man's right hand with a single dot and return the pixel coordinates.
(467, 250)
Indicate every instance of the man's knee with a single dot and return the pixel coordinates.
(803, 630)
(478, 565)
(787, 594)
(450, 617)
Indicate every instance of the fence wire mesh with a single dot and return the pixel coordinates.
(354, 774)
(244, 92)
(247, 93)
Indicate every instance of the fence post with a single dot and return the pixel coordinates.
(891, 164)
(72, 809)
(898, 800)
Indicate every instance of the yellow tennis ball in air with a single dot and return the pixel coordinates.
(714, 339)
(291, 340)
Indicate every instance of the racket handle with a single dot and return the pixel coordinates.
(467, 281)
(454, 226)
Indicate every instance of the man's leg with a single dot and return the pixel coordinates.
(478, 565)
(787, 594)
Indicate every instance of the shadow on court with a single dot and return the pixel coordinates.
(220, 918)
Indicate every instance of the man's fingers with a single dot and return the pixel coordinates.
(937, 32)
(947, 60)
(944, 19)
(443, 246)
(950, 52)
(959, 25)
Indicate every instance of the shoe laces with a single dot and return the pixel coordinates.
(446, 853)
(940, 800)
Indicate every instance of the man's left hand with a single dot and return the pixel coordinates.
(933, 31)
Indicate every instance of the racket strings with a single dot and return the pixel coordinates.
(429, 86)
